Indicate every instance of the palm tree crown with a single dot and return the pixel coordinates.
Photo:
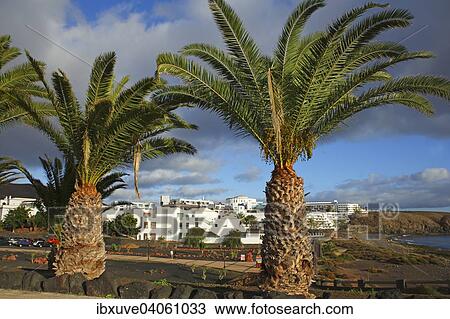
(55, 192)
(311, 84)
(18, 80)
(116, 127)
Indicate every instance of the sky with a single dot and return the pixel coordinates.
(388, 155)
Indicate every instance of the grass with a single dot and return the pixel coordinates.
(427, 290)
(336, 253)
(348, 250)
(162, 282)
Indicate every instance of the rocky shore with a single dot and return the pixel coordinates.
(411, 223)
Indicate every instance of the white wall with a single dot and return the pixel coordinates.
(9, 203)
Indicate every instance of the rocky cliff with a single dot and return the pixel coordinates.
(405, 223)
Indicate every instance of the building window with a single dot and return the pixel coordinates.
(180, 236)
(215, 225)
(152, 236)
(187, 225)
(145, 224)
(196, 224)
(153, 225)
(145, 236)
(181, 225)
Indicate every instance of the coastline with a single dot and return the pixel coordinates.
(426, 241)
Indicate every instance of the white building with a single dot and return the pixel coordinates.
(241, 203)
(328, 215)
(349, 208)
(173, 219)
(13, 196)
(166, 200)
(334, 206)
(138, 209)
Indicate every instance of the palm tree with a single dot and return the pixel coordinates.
(116, 126)
(18, 80)
(287, 102)
(55, 193)
(7, 170)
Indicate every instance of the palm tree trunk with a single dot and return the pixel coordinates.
(286, 249)
(83, 248)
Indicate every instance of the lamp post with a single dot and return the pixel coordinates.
(224, 264)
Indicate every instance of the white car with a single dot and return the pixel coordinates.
(13, 241)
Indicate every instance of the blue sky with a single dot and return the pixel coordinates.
(381, 155)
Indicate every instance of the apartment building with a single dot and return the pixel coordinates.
(172, 220)
(13, 196)
(241, 202)
(334, 206)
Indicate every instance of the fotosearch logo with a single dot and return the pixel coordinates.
(369, 223)
(389, 211)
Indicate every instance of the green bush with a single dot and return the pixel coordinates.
(162, 282)
(17, 218)
(195, 237)
(122, 225)
(233, 240)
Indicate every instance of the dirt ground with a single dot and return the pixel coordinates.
(137, 270)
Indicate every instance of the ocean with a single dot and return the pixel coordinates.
(435, 241)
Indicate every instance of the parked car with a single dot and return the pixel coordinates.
(24, 242)
(53, 241)
(41, 243)
(13, 241)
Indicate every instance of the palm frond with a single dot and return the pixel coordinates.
(239, 43)
(68, 109)
(18, 81)
(8, 170)
(312, 83)
(288, 44)
(101, 81)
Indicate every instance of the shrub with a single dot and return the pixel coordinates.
(194, 237)
(233, 239)
(162, 282)
(204, 274)
(427, 290)
(122, 225)
(17, 218)
(129, 247)
(222, 274)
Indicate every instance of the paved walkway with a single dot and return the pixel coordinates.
(23, 294)
(238, 266)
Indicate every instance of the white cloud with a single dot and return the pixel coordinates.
(252, 174)
(435, 174)
(137, 41)
(187, 191)
(429, 188)
(174, 177)
(198, 163)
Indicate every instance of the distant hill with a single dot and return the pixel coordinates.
(419, 223)
(17, 190)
